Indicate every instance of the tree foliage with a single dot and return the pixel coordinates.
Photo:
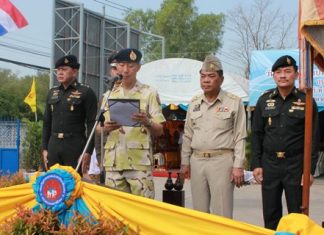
(187, 34)
(13, 91)
(258, 27)
(32, 146)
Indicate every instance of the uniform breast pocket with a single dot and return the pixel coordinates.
(196, 120)
(223, 120)
(139, 153)
(296, 119)
(271, 118)
(53, 103)
(75, 104)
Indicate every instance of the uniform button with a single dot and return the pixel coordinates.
(281, 125)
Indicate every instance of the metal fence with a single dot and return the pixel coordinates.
(12, 134)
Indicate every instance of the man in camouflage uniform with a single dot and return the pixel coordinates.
(128, 150)
(213, 147)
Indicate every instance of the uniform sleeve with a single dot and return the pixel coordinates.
(155, 109)
(90, 103)
(257, 137)
(316, 138)
(186, 150)
(239, 136)
(47, 124)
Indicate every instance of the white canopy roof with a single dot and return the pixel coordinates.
(177, 80)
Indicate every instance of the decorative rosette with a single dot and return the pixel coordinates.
(58, 188)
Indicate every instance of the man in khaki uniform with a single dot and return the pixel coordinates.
(213, 148)
(128, 150)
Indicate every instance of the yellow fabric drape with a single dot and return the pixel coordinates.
(154, 217)
(10, 197)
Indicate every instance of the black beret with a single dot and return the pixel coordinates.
(284, 61)
(111, 60)
(68, 60)
(129, 55)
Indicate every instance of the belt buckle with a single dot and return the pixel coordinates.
(281, 154)
(60, 135)
(207, 155)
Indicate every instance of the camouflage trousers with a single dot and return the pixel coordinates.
(131, 181)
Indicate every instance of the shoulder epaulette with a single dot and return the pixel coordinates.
(196, 97)
(232, 95)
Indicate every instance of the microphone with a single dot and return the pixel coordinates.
(111, 82)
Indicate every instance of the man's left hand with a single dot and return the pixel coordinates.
(237, 176)
(311, 180)
(86, 163)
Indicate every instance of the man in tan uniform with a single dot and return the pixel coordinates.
(128, 151)
(213, 148)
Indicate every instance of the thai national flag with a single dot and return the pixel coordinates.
(10, 17)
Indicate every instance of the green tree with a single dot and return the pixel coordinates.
(187, 34)
(13, 91)
(32, 146)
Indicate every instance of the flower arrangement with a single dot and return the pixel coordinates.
(44, 219)
(46, 222)
(7, 180)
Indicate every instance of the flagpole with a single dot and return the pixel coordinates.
(308, 129)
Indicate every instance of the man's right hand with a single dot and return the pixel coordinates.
(111, 126)
(45, 160)
(258, 175)
(185, 171)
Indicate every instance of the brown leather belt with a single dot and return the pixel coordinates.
(211, 153)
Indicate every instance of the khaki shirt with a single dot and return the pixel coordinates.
(215, 126)
(131, 147)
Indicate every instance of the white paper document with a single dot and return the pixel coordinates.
(122, 110)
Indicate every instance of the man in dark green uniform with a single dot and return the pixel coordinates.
(278, 142)
(69, 117)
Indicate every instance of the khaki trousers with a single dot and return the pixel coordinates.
(211, 189)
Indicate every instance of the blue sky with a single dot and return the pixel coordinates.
(36, 37)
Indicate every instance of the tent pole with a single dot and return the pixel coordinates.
(308, 128)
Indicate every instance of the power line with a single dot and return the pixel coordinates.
(25, 64)
(24, 49)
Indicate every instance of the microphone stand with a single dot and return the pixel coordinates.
(99, 118)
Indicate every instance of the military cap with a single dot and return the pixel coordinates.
(128, 55)
(284, 61)
(211, 64)
(111, 60)
(68, 60)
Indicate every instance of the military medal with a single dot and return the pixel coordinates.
(72, 108)
(269, 121)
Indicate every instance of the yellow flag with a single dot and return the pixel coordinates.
(31, 97)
